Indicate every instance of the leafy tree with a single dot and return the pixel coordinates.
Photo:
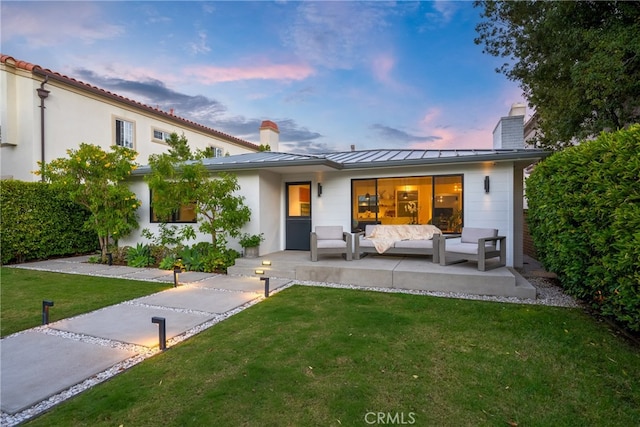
(578, 62)
(96, 180)
(179, 178)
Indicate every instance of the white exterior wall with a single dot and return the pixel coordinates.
(74, 116)
(20, 121)
(492, 210)
(264, 195)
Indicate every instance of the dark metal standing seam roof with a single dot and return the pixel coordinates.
(363, 159)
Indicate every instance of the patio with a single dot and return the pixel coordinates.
(399, 272)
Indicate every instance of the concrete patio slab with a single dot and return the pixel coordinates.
(36, 366)
(192, 298)
(131, 323)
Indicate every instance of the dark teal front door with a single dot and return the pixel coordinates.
(298, 220)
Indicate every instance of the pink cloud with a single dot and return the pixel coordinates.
(430, 116)
(212, 74)
(382, 67)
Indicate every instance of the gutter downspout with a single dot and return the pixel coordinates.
(43, 94)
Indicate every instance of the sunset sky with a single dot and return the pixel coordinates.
(330, 74)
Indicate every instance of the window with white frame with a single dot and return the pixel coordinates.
(160, 135)
(216, 151)
(124, 133)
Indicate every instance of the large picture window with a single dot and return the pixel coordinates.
(433, 200)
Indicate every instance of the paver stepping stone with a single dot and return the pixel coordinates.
(193, 298)
(237, 283)
(36, 366)
(131, 323)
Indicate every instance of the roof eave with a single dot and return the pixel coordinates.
(239, 166)
(489, 157)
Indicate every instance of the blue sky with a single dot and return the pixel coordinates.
(330, 74)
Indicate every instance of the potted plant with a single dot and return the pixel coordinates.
(250, 243)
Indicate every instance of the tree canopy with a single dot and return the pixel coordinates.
(96, 180)
(179, 178)
(578, 63)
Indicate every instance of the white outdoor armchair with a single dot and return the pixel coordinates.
(331, 239)
(475, 244)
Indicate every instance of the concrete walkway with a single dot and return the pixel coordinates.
(43, 362)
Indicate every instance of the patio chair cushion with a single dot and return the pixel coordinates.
(331, 243)
(471, 235)
(329, 232)
(413, 244)
(464, 248)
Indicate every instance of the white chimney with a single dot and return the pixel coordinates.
(509, 132)
(517, 109)
(269, 135)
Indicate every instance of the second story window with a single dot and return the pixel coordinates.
(160, 135)
(124, 133)
(217, 151)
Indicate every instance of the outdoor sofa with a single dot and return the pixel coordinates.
(398, 240)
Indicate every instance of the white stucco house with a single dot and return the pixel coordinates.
(76, 112)
(288, 194)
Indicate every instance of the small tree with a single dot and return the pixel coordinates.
(96, 179)
(179, 178)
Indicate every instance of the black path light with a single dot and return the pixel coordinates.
(45, 311)
(177, 269)
(162, 331)
(266, 286)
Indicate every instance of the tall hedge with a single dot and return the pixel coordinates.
(39, 222)
(584, 216)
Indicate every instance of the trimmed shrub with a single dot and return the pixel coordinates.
(39, 222)
(584, 216)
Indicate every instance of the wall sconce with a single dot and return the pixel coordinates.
(266, 262)
(259, 271)
(486, 184)
(319, 189)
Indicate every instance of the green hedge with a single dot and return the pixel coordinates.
(39, 222)
(584, 216)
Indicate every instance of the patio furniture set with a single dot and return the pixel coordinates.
(473, 244)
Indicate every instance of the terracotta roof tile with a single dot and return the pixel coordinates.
(9, 60)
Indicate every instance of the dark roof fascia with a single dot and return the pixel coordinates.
(256, 165)
(525, 154)
(118, 98)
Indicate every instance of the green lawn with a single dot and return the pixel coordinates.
(22, 293)
(331, 357)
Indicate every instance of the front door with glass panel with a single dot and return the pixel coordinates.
(298, 221)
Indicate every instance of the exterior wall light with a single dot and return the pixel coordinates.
(486, 184)
(319, 189)
(259, 271)
(266, 262)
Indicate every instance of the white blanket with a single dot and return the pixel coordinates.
(384, 236)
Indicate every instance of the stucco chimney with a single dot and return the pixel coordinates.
(509, 132)
(269, 134)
